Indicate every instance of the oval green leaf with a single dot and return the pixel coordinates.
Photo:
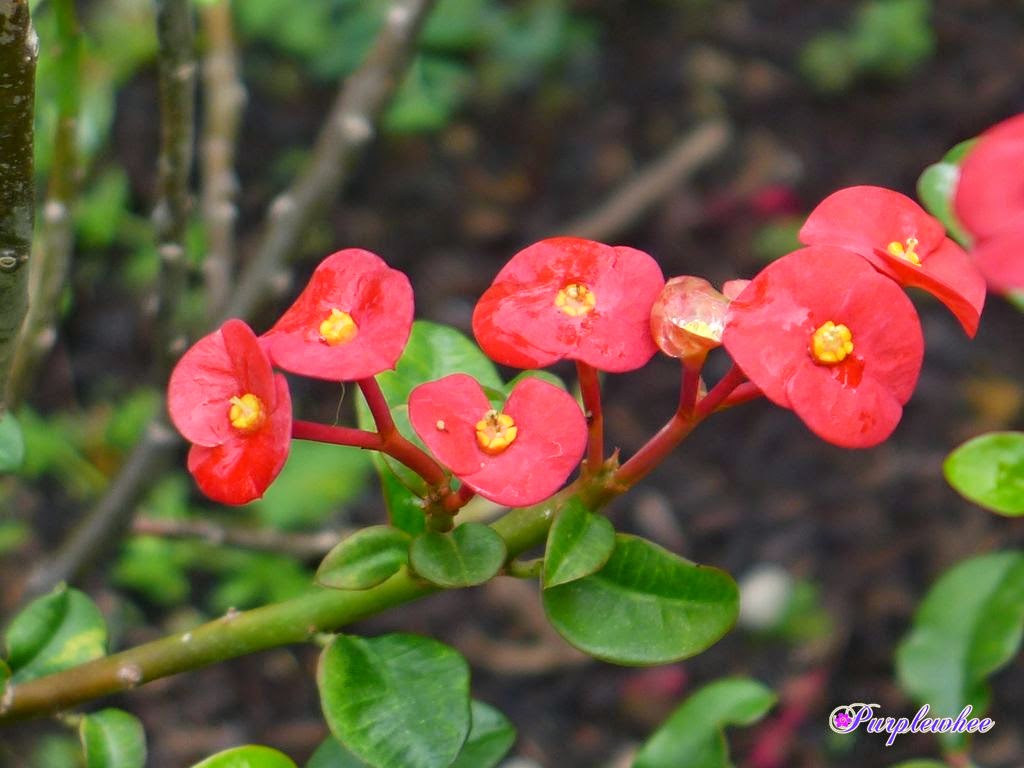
(112, 738)
(250, 756)
(692, 736)
(331, 754)
(968, 626)
(60, 630)
(579, 544)
(989, 470)
(471, 554)
(646, 606)
(490, 738)
(12, 444)
(365, 559)
(396, 701)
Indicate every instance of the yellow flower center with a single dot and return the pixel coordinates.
(704, 329)
(495, 432)
(338, 328)
(576, 300)
(905, 251)
(831, 343)
(247, 412)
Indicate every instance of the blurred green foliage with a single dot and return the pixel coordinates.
(886, 39)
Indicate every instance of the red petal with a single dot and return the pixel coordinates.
(227, 363)
(947, 273)
(851, 417)
(243, 467)
(864, 218)
(378, 298)
(1001, 259)
(459, 402)
(990, 192)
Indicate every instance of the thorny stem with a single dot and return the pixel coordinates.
(18, 52)
(590, 389)
(49, 268)
(176, 69)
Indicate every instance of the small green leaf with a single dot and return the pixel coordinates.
(112, 738)
(250, 756)
(968, 626)
(692, 736)
(646, 606)
(12, 444)
(331, 754)
(365, 559)
(490, 738)
(60, 630)
(469, 555)
(405, 508)
(989, 470)
(396, 701)
(579, 543)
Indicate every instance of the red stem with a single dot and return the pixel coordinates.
(744, 393)
(590, 389)
(677, 428)
(322, 433)
(379, 408)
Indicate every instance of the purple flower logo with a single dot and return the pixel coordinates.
(842, 721)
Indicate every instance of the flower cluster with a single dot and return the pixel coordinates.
(989, 202)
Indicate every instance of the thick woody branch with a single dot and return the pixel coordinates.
(176, 69)
(49, 268)
(18, 53)
(348, 128)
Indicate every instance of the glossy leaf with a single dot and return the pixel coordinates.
(646, 606)
(396, 701)
(331, 754)
(12, 444)
(112, 738)
(579, 543)
(250, 756)
(405, 508)
(471, 554)
(60, 630)
(365, 559)
(989, 470)
(968, 626)
(692, 736)
(490, 738)
(936, 189)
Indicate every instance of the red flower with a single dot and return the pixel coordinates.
(570, 298)
(225, 399)
(990, 193)
(821, 332)
(1001, 259)
(902, 241)
(517, 456)
(350, 322)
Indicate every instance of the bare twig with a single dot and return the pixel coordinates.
(652, 184)
(347, 129)
(18, 52)
(177, 79)
(306, 546)
(224, 100)
(53, 257)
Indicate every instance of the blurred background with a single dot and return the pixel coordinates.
(699, 131)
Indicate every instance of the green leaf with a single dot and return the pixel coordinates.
(646, 606)
(396, 701)
(432, 91)
(469, 555)
(250, 756)
(490, 738)
(12, 444)
(365, 559)
(968, 626)
(692, 736)
(579, 543)
(57, 631)
(937, 188)
(989, 470)
(112, 738)
(405, 508)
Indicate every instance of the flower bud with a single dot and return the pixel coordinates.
(688, 318)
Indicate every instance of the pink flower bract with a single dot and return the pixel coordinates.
(351, 321)
(571, 298)
(550, 436)
(849, 390)
(990, 193)
(224, 398)
(902, 241)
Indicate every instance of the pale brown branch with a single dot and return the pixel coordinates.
(306, 546)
